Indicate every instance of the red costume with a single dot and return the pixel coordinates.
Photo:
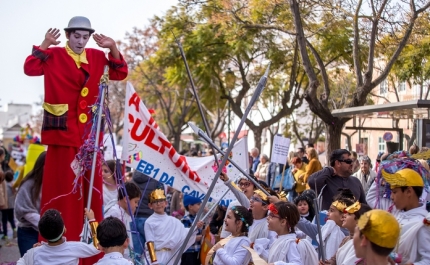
(69, 94)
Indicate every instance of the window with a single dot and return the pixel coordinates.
(381, 144)
(383, 87)
(401, 87)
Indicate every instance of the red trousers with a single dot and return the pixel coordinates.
(57, 186)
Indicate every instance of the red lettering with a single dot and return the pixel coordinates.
(153, 123)
(139, 137)
(134, 100)
(164, 145)
(148, 140)
(193, 175)
(130, 118)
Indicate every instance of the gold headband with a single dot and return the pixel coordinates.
(262, 195)
(157, 194)
(353, 208)
(340, 206)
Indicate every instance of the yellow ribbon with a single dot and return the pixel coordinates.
(78, 58)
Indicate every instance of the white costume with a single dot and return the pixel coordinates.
(260, 229)
(332, 236)
(168, 235)
(67, 253)
(109, 195)
(415, 236)
(345, 255)
(233, 253)
(114, 258)
(121, 214)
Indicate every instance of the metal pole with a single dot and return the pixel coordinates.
(103, 84)
(258, 90)
(206, 138)
(229, 117)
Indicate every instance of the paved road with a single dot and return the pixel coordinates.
(9, 251)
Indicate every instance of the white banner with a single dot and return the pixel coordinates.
(147, 150)
(280, 148)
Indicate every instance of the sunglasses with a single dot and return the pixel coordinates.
(244, 184)
(258, 199)
(348, 161)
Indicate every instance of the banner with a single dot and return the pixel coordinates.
(147, 150)
(280, 148)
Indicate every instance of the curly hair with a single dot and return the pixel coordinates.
(241, 214)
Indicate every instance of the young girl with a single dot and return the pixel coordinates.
(332, 233)
(237, 222)
(110, 191)
(287, 249)
(259, 207)
(305, 204)
(346, 254)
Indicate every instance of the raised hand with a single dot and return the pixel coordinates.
(51, 38)
(106, 42)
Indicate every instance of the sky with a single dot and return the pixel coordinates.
(25, 22)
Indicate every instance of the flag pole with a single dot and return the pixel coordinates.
(255, 96)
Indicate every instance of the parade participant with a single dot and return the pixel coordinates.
(286, 248)
(57, 251)
(243, 194)
(110, 190)
(165, 234)
(191, 255)
(376, 235)
(231, 251)
(27, 210)
(406, 189)
(346, 254)
(331, 232)
(337, 176)
(305, 204)
(72, 75)
(259, 207)
(112, 240)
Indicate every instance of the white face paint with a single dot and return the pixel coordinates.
(78, 40)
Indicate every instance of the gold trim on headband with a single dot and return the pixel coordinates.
(261, 194)
(340, 206)
(353, 208)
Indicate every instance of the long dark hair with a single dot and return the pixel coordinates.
(37, 175)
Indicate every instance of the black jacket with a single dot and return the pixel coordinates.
(146, 185)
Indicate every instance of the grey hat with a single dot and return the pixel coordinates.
(81, 23)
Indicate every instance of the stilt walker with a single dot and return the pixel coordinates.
(71, 76)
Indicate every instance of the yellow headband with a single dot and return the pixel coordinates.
(262, 195)
(157, 194)
(340, 206)
(380, 227)
(353, 208)
(403, 178)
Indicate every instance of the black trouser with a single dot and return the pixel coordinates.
(7, 215)
(190, 258)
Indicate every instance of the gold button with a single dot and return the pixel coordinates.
(84, 91)
(83, 118)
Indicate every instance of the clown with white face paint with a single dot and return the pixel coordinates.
(71, 79)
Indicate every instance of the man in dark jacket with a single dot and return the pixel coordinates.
(337, 176)
(146, 185)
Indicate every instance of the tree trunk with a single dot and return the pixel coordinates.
(332, 140)
(414, 134)
(177, 141)
(257, 138)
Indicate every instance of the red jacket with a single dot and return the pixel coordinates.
(70, 91)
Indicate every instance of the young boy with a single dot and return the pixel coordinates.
(376, 235)
(113, 240)
(164, 234)
(57, 250)
(191, 255)
(406, 189)
(122, 211)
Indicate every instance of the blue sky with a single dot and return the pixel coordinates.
(24, 23)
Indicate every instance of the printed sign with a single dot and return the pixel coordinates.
(280, 148)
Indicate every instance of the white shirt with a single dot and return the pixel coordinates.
(332, 236)
(121, 214)
(67, 253)
(233, 253)
(114, 258)
(109, 195)
(260, 229)
(284, 251)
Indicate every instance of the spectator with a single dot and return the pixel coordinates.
(313, 166)
(176, 201)
(355, 163)
(301, 152)
(337, 176)
(366, 175)
(7, 214)
(255, 154)
(299, 171)
(263, 168)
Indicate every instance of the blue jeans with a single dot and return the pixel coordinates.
(27, 237)
(139, 238)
